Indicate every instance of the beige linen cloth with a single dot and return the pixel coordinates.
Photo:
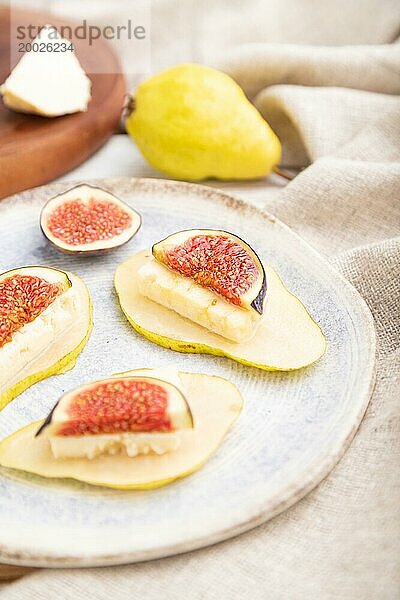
(337, 110)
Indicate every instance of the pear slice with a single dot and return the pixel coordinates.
(215, 404)
(49, 343)
(49, 83)
(286, 338)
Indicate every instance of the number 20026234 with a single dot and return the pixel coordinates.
(45, 47)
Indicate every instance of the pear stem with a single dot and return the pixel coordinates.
(129, 106)
(285, 174)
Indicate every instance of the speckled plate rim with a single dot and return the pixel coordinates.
(297, 485)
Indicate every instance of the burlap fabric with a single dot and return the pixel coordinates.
(338, 109)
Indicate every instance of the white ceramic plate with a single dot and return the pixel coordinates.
(293, 430)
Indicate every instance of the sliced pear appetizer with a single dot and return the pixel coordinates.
(88, 220)
(110, 433)
(45, 321)
(191, 295)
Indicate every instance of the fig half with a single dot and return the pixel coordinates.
(45, 321)
(215, 403)
(218, 260)
(88, 220)
(285, 336)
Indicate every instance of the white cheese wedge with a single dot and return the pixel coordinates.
(199, 304)
(47, 83)
(90, 446)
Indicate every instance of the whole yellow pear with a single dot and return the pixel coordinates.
(194, 122)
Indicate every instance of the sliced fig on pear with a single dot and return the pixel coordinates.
(218, 260)
(215, 404)
(88, 220)
(45, 321)
(133, 413)
(284, 337)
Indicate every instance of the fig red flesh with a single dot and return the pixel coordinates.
(118, 406)
(22, 299)
(216, 262)
(77, 223)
